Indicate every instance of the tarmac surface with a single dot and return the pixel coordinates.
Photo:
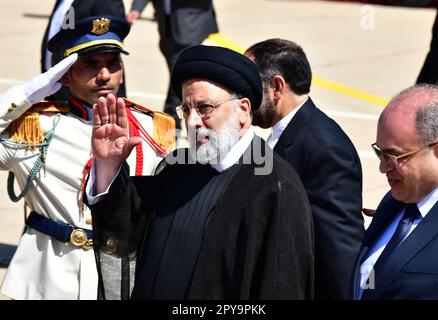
(361, 56)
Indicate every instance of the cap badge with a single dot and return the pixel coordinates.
(101, 26)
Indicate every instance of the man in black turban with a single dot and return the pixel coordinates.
(224, 219)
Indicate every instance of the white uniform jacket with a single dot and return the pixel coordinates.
(43, 267)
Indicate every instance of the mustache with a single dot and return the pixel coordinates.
(204, 133)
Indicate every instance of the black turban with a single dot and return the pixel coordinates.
(228, 68)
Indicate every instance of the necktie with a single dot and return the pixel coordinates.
(411, 213)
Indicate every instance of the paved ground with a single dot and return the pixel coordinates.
(361, 55)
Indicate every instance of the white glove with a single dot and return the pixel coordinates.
(47, 83)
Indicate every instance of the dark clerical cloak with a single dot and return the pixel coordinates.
(175, 235)
(254, 240)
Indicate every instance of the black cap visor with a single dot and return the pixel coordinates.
(101, 49)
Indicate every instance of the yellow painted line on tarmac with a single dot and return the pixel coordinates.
(223, 41)
(350, 92)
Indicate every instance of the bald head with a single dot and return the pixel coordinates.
(414, 110)
(407, 134)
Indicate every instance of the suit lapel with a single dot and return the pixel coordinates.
(356, 272)
(289, 135)
(426, 230)
(383, 217)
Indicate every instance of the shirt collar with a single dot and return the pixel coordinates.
(427, 203)
(80, 108)
(235, 153)
(280, 126)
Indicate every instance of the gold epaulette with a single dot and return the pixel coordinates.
(27, 128)
(164, 125)
(164, 130)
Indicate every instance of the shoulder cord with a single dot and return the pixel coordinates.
(133, 132)
(39, 162)
(144, 134)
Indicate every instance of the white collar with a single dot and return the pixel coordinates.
(235, 153)
(427, 203)
(280, 126)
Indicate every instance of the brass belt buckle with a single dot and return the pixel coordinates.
(78, 237)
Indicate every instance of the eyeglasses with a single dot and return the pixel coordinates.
(203, 109)
(401, 159)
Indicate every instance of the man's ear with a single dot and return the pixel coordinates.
(245, 110)
(278, 84)
(66, 79)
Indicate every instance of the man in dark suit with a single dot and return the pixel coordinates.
(398, 256)
(321, 153)
(66, 12)
(212, 223)
(429, 71)
(181, 24)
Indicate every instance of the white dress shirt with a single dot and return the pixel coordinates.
(280, 126)
(367, 266)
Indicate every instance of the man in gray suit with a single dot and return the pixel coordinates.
(181, 24)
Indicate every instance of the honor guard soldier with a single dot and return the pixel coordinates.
(46, 148)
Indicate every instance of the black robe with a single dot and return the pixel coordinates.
(257, 244)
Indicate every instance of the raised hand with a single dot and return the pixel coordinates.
(47, 83)
(110, 141)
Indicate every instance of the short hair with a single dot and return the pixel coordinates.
(423, 97)
(426, 120)
(285, 58)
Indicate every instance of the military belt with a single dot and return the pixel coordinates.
(61, 231)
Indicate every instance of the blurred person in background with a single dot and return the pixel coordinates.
(181, 24)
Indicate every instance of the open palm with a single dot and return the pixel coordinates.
(110, 140)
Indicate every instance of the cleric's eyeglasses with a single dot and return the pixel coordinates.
(203, 109)
(399, 160)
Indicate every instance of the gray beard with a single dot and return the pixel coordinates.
(220, 142)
